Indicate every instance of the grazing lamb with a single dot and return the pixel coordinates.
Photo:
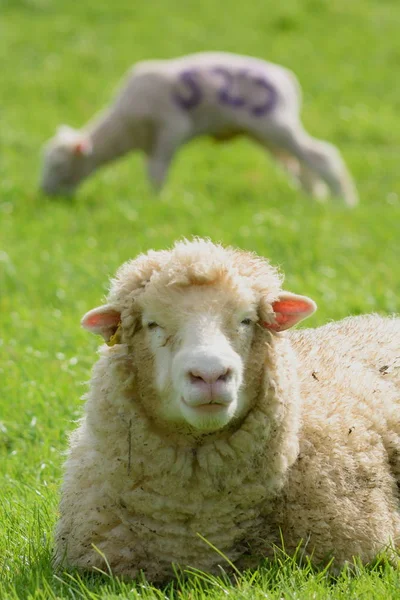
(165, 103)
(205, 417)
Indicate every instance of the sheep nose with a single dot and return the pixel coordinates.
(197, 376)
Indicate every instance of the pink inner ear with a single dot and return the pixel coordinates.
(101, 320)
(289, 311)
(82, 147)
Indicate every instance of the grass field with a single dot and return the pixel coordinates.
(60, 62)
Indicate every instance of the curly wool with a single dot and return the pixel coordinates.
(315, 458)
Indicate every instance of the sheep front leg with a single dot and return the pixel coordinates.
(167, 143)
(157, 169)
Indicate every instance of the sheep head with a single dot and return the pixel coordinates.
(196, 322)
(67, 160)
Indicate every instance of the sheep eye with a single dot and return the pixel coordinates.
(152, 325)
(247, 321)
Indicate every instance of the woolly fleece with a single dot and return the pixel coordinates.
(316, 456)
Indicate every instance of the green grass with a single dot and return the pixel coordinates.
(60, 62)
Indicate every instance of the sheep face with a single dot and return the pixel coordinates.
(198, 344)
(67, 160)
(196, 324)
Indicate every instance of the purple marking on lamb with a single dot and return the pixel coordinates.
(224, 95)
(271, 100)
(195, 94)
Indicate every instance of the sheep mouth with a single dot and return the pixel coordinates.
(206, 407)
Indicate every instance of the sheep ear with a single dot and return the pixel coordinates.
(289, 310)
(105, 321)
(82, 147)
(75, 140)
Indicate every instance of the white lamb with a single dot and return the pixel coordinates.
(165, 103)
(205, 417)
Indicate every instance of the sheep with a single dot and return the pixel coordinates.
(207, 424)
(165, 103)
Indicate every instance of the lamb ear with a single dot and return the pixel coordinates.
(105, 321)
(289, 310)
(82, 147)
(79, 143)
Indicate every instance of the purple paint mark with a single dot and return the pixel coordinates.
(224, 95)
(271, 99)
(195, 94)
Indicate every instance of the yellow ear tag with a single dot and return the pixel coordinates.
(114, 339)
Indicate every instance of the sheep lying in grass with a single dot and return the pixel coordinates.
(206, 417)
(165, 103)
